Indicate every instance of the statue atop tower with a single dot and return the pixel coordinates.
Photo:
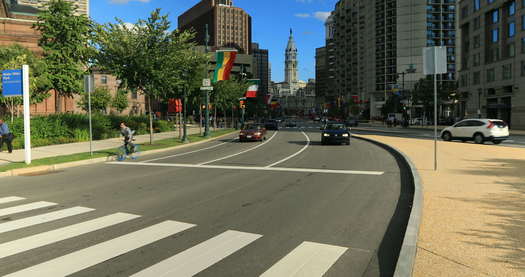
(290, 68)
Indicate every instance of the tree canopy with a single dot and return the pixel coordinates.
(64, 39)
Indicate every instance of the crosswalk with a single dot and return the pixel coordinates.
(307, 259)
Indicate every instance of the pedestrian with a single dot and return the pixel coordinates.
(6, 136)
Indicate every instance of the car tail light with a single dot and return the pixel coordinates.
(491, 125)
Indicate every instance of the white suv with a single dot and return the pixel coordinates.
(478, 130)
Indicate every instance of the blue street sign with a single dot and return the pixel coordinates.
(12, 83)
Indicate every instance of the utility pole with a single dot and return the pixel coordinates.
(207, 92)
(185, 119)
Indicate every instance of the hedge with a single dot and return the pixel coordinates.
(69, 128)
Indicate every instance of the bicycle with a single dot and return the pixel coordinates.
(122, 152)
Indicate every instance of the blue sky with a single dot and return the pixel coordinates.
(271, 19)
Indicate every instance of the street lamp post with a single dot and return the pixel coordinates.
(185, 115)
(207, 92)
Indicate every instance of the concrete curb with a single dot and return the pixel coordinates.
(407, 255)
(57, 167)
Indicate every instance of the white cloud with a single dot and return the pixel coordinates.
(302, 15)
(322, 15)
(127, 1)
(304, 1)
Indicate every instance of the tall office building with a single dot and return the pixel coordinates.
(325, 63)
(261, 67)
(229, 26)
(82, 6)
(290, 63)
(377, 41)
(492, 59)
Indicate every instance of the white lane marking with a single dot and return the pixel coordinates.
(295, 154)
(10, 199)
(24, 244)
(198, 258)
(82, 259)
(187, 153)
(39, 219)
(242, 152)
(25, 208)
(256, 168)
(307, 260)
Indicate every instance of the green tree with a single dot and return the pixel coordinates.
(100, 100)
(120, 101)
(64, 39)
(227, 93)
(423, 93)
(13, 57)
(150, 58)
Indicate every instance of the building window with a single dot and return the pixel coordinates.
(476, 78)
(495, 16)
(512, 29)
(476, 23)
(506, 73)
(476, 5)
(512, 8)
(523, 21)
(522, 69)
(476, 60)
(104, 80)
(491, 75)
(523, 45)
(512, 50)
(495, 35)
(476, 42)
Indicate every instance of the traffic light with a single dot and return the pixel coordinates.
(242, 104)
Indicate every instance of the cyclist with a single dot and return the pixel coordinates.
(126, 132)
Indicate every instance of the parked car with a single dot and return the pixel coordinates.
(291, 124)
(317, 119)
(252, 132)
(477, 130)
(271, 125)
(352, 122)
(335, 133)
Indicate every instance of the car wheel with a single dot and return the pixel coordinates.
(446, 136)
(479, 138)
(497, 141)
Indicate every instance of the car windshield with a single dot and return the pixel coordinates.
(252, 127)
(500, 124)
(335, 126)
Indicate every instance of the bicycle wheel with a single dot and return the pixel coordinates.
(121, 153)
(136, 152)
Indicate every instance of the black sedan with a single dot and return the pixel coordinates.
(335, 133)
(271, 125)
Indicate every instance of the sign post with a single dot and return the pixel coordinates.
(27, 116)
(206, 87)
(89, 84)
(434, 63)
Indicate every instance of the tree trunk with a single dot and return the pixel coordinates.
(215, 118)
(150, 121)
(200, 119)
(58, 102)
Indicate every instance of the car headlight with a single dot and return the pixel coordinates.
(345, 135)
(258, 133)
(326, 135)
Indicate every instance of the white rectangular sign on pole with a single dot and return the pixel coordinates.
(27, 116)
(434, 63)
(435, 60)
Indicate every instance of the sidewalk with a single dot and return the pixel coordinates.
(82, 147)
(474, 208)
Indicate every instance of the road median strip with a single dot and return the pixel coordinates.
(52, 164)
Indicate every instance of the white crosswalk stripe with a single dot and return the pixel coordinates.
(42, 239)
(39, 219)
(26, 208)
(10, 199)
(200, 257)
(82, 259)
(307, 260)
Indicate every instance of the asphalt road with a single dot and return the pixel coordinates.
(284, 207)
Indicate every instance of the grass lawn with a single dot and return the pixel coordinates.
(166, 143)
